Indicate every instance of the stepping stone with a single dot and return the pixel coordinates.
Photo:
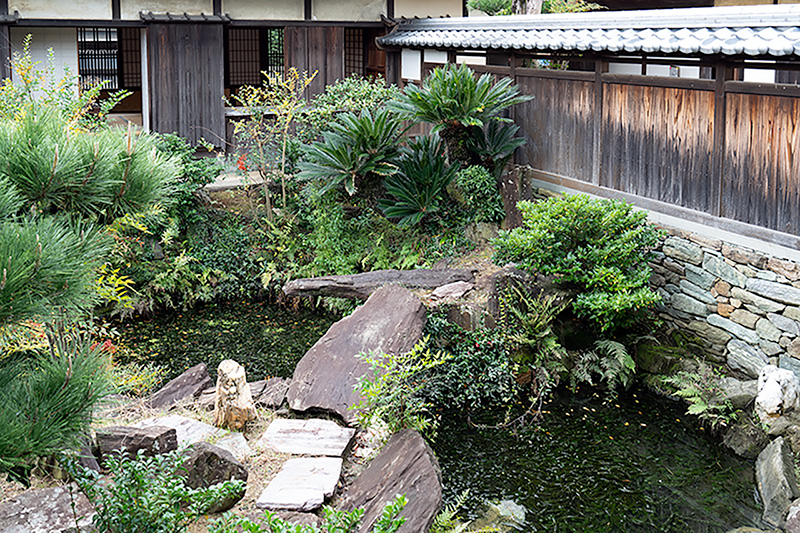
(302, 484)
(307, 437)
(190, 431)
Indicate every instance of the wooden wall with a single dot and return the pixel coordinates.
(319, 48)
(726, 150)
(186, 80)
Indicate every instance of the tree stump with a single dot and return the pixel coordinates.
(233, 403)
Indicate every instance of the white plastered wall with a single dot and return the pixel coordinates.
(411, 64)
(427, 8)
(129, 9)
(264, 10)
(49, 9)
(349, 10)
(63, 41)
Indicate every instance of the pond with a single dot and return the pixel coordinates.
(635, 464)
(267, 340)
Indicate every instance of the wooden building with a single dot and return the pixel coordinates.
(179, 57)
(692, 113)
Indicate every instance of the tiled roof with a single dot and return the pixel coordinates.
(766, 30)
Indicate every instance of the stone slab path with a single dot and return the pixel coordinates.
(302, 484)
(190, 431)
(307, 437)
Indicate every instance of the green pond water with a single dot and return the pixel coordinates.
(634, 464)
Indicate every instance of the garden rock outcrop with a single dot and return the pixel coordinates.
(778, 393)
(208, 465)
(390, 321)
(46, 511)
(233, 403)
(187, 386)
(152, 440)
(776, 480)
(360, 286)
(406, 465)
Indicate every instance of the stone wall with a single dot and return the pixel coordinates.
(744, 305)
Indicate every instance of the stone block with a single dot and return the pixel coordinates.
(765, 304)
(686, 304)
(208, 465)
(778, 292)
(154, 440)
(190, 431)
(708, 332)
(737, 330)
(719, 268)
(770, 348)
(50, 510)
(696, 292)
(767, 330)
(784, 324)
(788, 269)
(744, 318)
(699, 277)
(302, 484)
(723, 288)
(778, 393)
(307, 437)
(682, 250)
(746, 358)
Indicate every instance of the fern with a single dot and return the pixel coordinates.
(447, 520)
(609, 362)
(702, 392)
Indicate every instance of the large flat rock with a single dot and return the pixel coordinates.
(307, 437)
(406, 465)
(390, 321)
(187, 386)
(190, 431)
(46, 511)
(361, 286)
(776, 481)
(302, 484)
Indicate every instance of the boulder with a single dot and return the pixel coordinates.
(153, 440)
(208, 465)
(307, 437)
(776, 481)
(47, 511)
(778, 393)
(793, 518)
(406, 465)
(746, 358)
(739, 393)
(361, 286)
(268, 393)
(188, 385)
(745, 438)
(302, 484)
(190, 431)
(391, 322)
(451, 291)
(233, 404)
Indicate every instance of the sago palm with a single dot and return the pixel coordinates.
(459, 105)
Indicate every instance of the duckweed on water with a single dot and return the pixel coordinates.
(266, 340)
(632, 465)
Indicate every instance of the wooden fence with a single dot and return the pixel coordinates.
(714, 151)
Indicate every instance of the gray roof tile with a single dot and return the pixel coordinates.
(766, 30)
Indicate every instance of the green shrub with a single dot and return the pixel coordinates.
(478, 373)
(459, 105)
(478, 190)
(47, 399)
(420, 183)
(390, 390)
(599, 248)
(147, 494)
(354, 95)
(357, 152)
(335, 522)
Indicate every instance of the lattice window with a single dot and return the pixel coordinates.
(98, 57)
(130, 57)
(353, 51)
(251, 51)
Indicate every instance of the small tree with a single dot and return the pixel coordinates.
(271, 110)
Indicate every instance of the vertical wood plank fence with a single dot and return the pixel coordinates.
(726, 149)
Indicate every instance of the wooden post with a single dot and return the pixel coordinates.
(390, 9)
(217, 7)
(600, 66)
(723, 72)
(307, 10)
(5, 52)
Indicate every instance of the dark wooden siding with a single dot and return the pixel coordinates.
(761, 178)
(558, 125)
(316, 48)
(657, 143)
(727, 150)
(186, 80)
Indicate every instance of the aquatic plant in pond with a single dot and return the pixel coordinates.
(266, 340)
(634, 465)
